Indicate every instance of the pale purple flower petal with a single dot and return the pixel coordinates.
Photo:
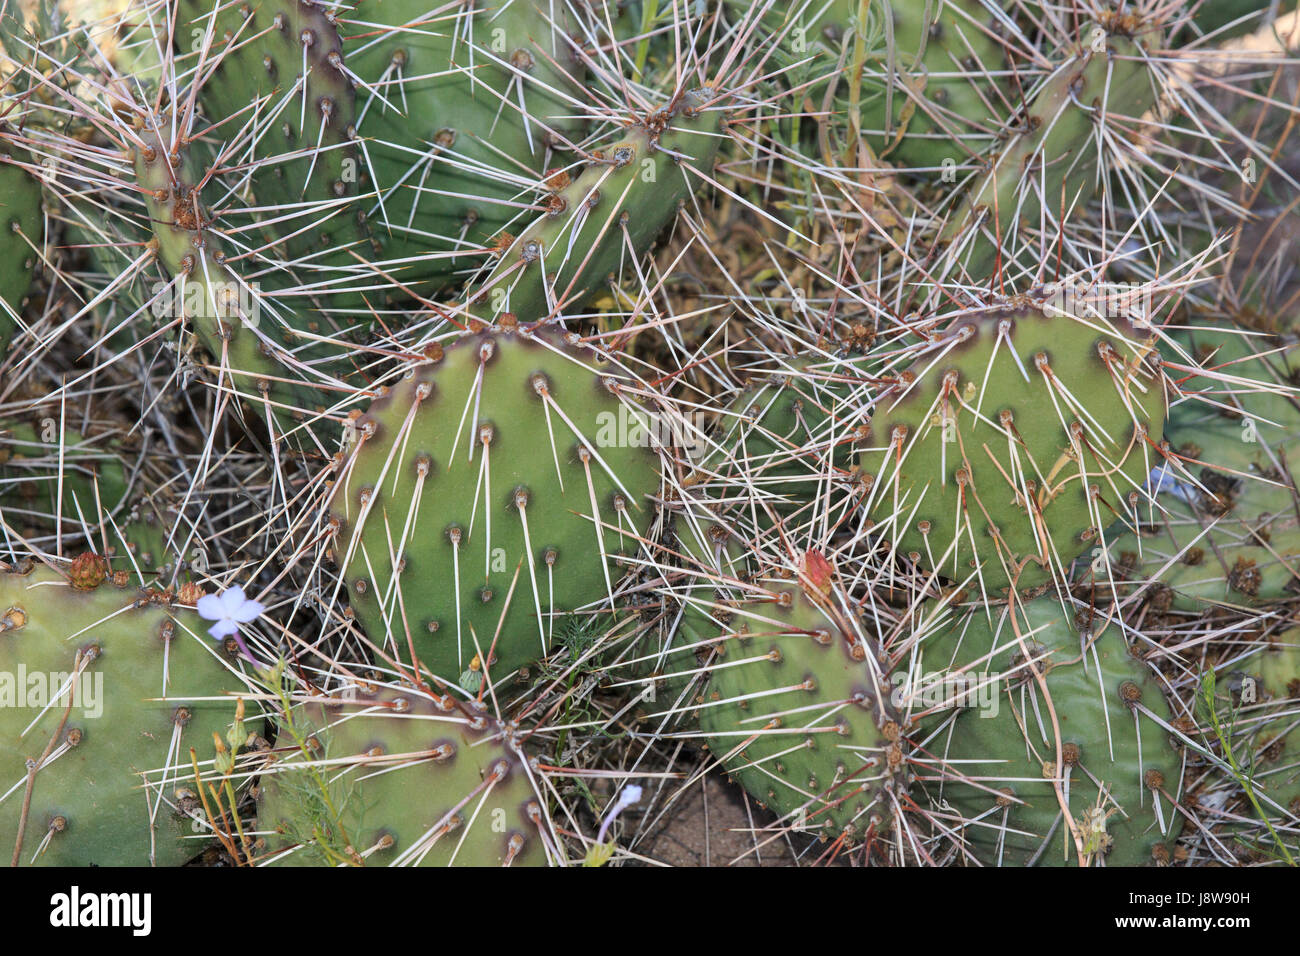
(223, 629)
(247, 612)
(230, 609)
(1163, 480)
(231, 600)
(210, 607)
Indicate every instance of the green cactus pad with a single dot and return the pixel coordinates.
(510, 460)
(928, 71)
(1016, 437)
(146, 543)
(1042, 169)
(794, 708)
(396, 777)
(996, 752)
(304, 167)
(1230, 18)
(1231, 536)
(270, 347)
(1244, 187)
(670, 675)
(1250, 557)
(117, 788)
(490, 92)
(764, 472)
(608, 214)
(21, 231)
(436, 122)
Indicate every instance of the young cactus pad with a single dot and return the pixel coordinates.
(499, 482)
(608, 214)
(1050, 162)
(996, 742)
(927, 71)
(1016, 437)
(795, 707)
(397, 778)
(116, 787)
(792, 423)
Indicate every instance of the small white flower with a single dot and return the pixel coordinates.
(229, 609)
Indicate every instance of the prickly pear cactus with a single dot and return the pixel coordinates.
(932, 79)
(146, 543)
(397, 777)
(1224, 529)
(417, 131)
(1244, 191)
(284, 58)
(290, 361)
(793, 703)
(994, 736)
(1014, 439)
(489, 492)
(926, 71)
(608, 214)
(21, 232)
(114, 782)
(1103, 76)
(482, 98)
(282, 358)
